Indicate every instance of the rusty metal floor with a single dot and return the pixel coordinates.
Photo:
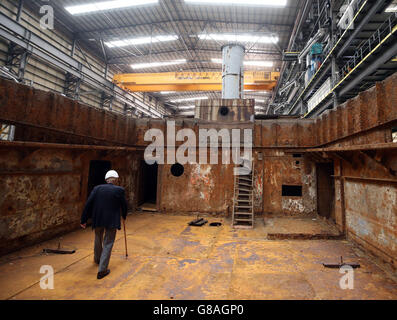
(301, 228)
(170, 260)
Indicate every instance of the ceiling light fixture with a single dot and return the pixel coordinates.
(250, 63)
(186, 107)
(139, 41)
(239, 37)
(259, 63)
(267, 3)
(189, 99)
(216, 61)
(391, 8)
(157, 64)
(107, 5)
(167, 92)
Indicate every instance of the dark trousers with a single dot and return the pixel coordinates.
(103, 247)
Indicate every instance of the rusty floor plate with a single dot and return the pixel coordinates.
(300, 228)
(168, 259)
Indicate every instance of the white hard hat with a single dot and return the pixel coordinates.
(111, 174)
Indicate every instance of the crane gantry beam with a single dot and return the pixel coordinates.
(192, 81)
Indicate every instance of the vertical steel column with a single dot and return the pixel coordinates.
(334, 77)
(334, 65)
(20, 10)
(106, 70)
(73, 48)
(233, 71)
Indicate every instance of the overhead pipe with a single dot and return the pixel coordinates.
(293, 94)
(320, 33)
(8, 74)
(287, 87)
(279, 107)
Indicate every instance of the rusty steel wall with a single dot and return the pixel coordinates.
(371, 211)
(209, 188)
(278, 169)
(366, 202)
(365, 190)
(359, 119)
(238, 110)
(201, 189)
(284, 133)
(43, 192)
(32, 108)
(365, 119)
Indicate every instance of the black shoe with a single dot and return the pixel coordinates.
(103, 274)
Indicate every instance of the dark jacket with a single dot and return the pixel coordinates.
(105, 205)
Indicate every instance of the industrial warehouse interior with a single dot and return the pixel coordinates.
(255, 141)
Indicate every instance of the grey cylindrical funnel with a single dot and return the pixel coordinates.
(233, 71)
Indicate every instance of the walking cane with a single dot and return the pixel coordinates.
(125, 240)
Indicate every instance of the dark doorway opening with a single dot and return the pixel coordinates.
(96, 176)
(325, 190)
(148, 183)
(394, 134)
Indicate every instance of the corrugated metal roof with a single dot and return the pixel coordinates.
(186, 21)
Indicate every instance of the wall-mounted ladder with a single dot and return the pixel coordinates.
(243, 201)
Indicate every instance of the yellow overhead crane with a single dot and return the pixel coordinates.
(192, 81)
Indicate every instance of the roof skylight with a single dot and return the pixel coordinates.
(140, 41)
(250, 63)
(266, 3)
(157, 64)
(107, 5)
(188, 99)
(239, 37)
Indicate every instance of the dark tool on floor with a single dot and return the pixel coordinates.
(198, 222)
(341, 264)
(215, 224)
(195, 221)
(125, 240)
(57, 251)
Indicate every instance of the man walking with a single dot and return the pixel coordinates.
(104, 206)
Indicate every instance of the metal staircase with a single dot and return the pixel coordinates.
(243, 202)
